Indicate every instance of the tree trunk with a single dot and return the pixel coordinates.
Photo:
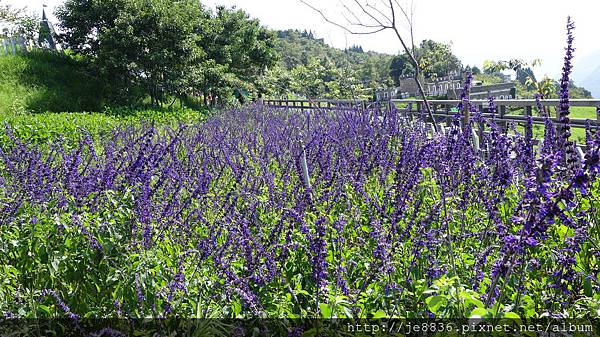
(416, 78)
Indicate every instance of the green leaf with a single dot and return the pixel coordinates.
(44, 308)
(326, 310)
(479, 313)
(435, 303)
(379, 314)
(236, 308)
(511, 315)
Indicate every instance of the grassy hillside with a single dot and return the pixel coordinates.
(41, 81)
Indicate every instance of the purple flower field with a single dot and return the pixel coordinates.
(270, 213)
(279, 213)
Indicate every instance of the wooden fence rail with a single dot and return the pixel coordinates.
(507, 111)
(319, 104)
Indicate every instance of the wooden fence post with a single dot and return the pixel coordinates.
(598, 119)
(501, 116)
(475, 140)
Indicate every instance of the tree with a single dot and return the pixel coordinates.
(377, 17)
(523, 74)
(366, 68)
(18, 21)
(276, 81)
(8, 14)
(578, 92)
(243, 49)
(164, 48)
(354, 48)
(321, 79)
(401, 66)
(148, 44)
(436, 59)
(546, 88)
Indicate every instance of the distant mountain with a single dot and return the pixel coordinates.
(586, 73)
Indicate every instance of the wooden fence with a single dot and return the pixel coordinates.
(444, 111)
(319, 104)
(13, 45)
(507, 111)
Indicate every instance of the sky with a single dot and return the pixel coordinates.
(478, 30)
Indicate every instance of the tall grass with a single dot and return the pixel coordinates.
(40, 81)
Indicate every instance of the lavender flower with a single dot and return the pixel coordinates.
(60, 303)
(318, 253)
(563, 108)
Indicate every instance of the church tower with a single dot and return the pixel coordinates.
(47, 33)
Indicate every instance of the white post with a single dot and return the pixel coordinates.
(305, 168)
(475, 140)
(581, 154)
(22, 44)
(13, 44)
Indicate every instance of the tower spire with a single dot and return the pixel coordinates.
(46, 36)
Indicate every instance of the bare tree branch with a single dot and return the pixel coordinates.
(371, 11)
(340, 25)
(358, 21)
(379, 12)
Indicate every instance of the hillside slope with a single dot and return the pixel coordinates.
(42, 81)
(296, 47)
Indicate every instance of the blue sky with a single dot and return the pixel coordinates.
(478, 30)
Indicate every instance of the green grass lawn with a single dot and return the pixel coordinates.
(578, 134)
(578, 112)
(42, 128)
